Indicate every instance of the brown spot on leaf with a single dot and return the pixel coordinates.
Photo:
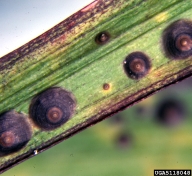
(52, 108)
(106, 86)
(15, 132)
(137, 65)
(102, 38)
(177, 39)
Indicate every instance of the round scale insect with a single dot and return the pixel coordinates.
(177, 39)
(52, 108)
(137, 65)
(102, 38)
(15, 132)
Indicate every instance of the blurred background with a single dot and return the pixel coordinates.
(23, 20)
(154, 134)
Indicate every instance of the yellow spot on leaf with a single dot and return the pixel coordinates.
(161, 17)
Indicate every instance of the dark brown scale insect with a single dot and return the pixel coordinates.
(177, 40)
(52, 108)
(137, 65)
(102, 38)
(15, 132)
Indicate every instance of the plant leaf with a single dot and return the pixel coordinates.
(72, 55)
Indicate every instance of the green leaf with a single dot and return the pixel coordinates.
(73, 56)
